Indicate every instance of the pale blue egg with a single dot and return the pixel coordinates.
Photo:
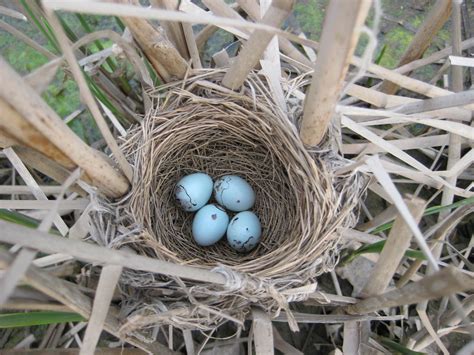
(234, 193)
(244, 231)
(209, 225)
(193, 191)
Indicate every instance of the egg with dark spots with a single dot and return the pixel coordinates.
(234, 193)
(193, 191)
(244, 231)
(209, 225)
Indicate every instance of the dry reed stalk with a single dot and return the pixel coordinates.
(204, 35)
(161, 53)
(108, 280)
(256, 45)
(422, 338)
(174, 30)
(433, 22)
(68, 294)
(221, 59)
(283, 346)
(45, 120)
(262, 332)
(252, 8)
(192, 47)
(92, 253)
(442, 283)
(379, 99)
(454, 155)
(403, 144)
(50, 168)
(432, 58)
(342, 25)
(14, 125)
(393, 251)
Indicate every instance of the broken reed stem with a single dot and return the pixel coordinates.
(45, 120)
(173, 29)
(393, 251)
(433, 22)
(15, 234)
(252, 8)
(161, 53)
(442, 283)
(342, 25)
(257, 43)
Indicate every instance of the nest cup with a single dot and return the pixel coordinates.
(203, 127)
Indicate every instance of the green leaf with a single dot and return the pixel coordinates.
(376, 248)
(397, 348)
(42, 26)
(12, 320)
(429, 211)
(21, 219)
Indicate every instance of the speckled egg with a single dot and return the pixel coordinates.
(193, 191)
(209, 225)
(244, 231)
(234, 193)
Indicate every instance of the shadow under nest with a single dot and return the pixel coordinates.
(198, 125)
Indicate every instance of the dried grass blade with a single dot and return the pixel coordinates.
(22, 37)
(78, 204)
(44, 75)
(12, 13)
(386, 182)
(87, 95)
(34, 188)
(400, 154)
(15, 272)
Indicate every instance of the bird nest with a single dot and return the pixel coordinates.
(303, 205)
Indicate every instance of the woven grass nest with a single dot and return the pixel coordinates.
(303, 206)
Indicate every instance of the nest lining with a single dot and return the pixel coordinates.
(206, 128)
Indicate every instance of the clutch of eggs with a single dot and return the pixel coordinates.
(211, 222)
